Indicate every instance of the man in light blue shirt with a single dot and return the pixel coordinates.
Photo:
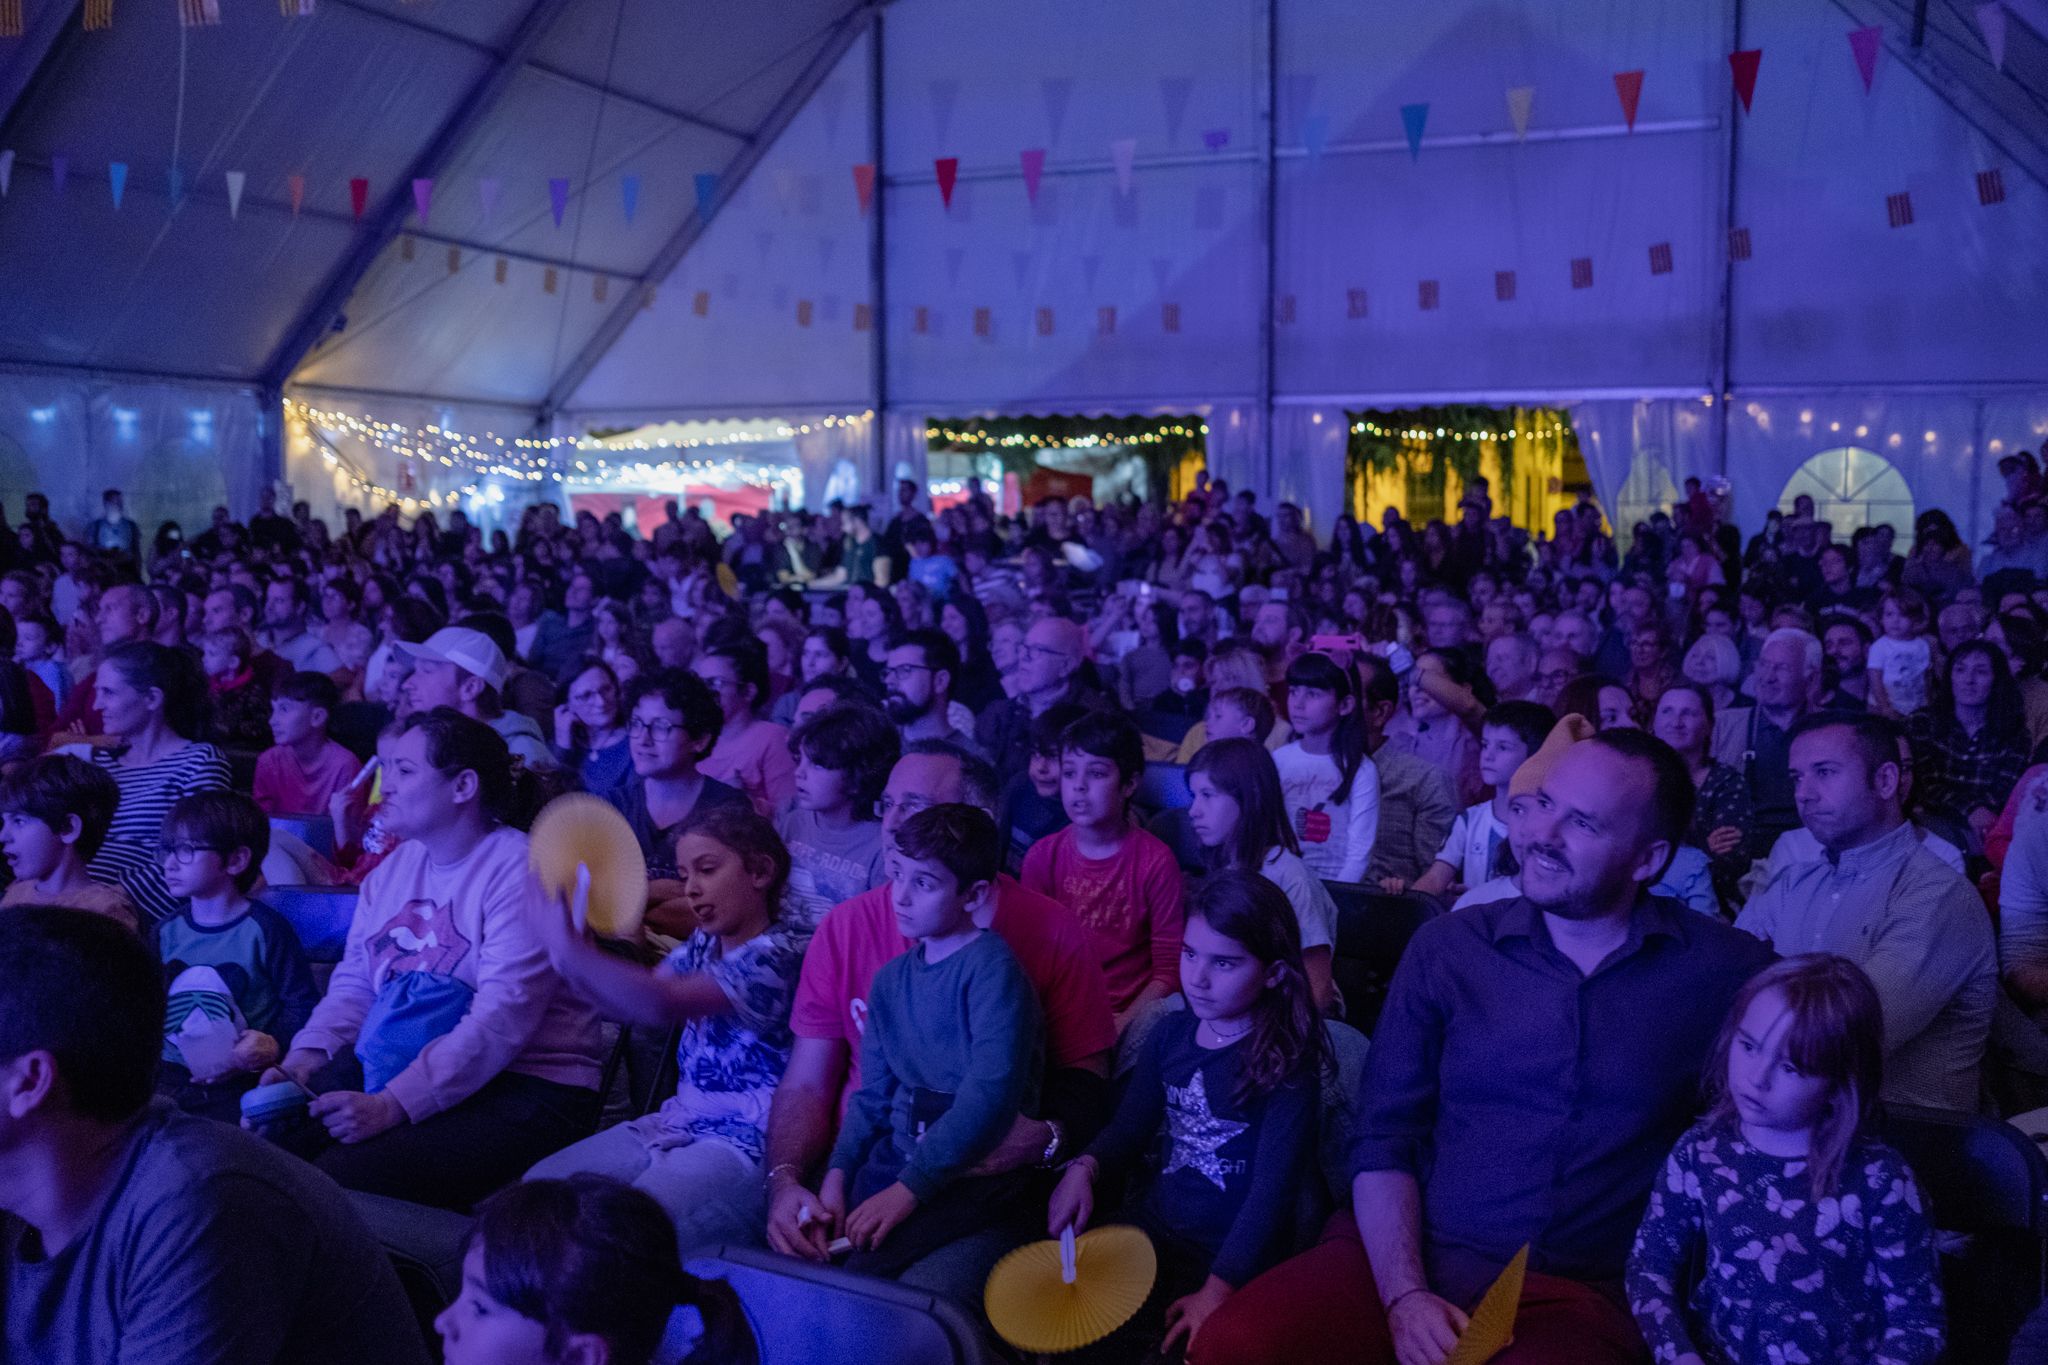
(1880, 899)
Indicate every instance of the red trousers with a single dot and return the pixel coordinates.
(1322, 1308)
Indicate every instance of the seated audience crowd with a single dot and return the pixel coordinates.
(1011, 875)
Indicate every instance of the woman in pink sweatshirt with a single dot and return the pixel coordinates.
(446, 1057)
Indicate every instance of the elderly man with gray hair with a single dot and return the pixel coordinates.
(1757, 740)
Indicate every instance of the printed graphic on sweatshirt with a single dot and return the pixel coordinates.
(421, 937)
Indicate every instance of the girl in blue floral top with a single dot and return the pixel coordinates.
(1814, 1245)
(729, 987)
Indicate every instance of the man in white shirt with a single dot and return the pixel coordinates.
(285, 633)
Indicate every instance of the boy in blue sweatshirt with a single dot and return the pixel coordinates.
(949, 1059)
(237, 977)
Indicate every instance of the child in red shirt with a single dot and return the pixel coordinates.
(300, 774)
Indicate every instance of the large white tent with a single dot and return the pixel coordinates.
(853, 219)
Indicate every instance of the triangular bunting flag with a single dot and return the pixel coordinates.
(944, 95)
(10, 19)
(600, 287)
(1174, 92)
(706, 183)
(176, 176)
(558, 199)
(407, 247)
(423, 198)
(1033, 159)
(297, 185)
(1629, 86)
(454, 260)
(501, 269)
(1864, 45)
(359, 195)
(1521, 101)
(1414, 118)
(6, 171)
(1123, 155)
(60, 171)
(948, 170)
(1991, 21)
(295, 9)
(236, 181)
(1058, 93)
(117, 180)
(1744, 66)
(629, 195)
(488, 192)
(864, 186)
(99, 15)
(549, 280)
(1315, 135)
(198, 13)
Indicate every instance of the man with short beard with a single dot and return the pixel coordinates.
(918, 673)
(1513, 1094)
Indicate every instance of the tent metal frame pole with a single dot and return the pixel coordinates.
(455, 131)
(878, 256)
(1269, 230)
(1724, 376)
(835, 46)
(41, 53)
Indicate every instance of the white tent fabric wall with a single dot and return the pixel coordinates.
(176, 450)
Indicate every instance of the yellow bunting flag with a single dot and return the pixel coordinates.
(99, 14)
(10, 18)
(198, 13)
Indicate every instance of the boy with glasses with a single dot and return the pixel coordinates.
(237, 975)
(673, 723)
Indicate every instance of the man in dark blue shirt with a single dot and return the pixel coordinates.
(1535, 1061)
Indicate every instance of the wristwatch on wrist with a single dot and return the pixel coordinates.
(1052, 1145)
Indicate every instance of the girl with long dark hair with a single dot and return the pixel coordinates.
(1970, 744)
(1240, 1067)
(1331, 786)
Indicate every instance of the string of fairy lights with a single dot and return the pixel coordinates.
(583, 460)
(1094, 440)
(1538, 433)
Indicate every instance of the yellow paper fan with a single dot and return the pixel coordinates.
(1493, 1322)
(580, 828)
(1031, 1307)
(728, 582)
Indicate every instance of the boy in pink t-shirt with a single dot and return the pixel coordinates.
(302, 771)
(1121, 882)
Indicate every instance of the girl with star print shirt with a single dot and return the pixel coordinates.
(1216, 1127)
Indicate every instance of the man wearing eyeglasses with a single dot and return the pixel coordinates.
(853, 941)
(1048, 669)
(919, 672)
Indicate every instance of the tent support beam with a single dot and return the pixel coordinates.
(878, 257)
(735, 174)
(1269, 233)
(455, 131)
(1724, 318)
(42, 52)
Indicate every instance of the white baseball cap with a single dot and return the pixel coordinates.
(472, 651)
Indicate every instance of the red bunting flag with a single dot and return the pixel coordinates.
(984, 323)
(1105, 320)
(1044, 321)
(1738, 244)
(1991, 187)
(1504, 286)
(1283, 309)
(700, 303)
(1582, 272)
(921, 320)
(864, 185)
(1898, 208)
(1629, 86)
(406, 249)
(359, 195)
(549, 279)
(295, 9)
(99, 15)
(1428, 294)
(948, 169)
(1864, 45)
(1744, 66)
(1033, 159)
(501, 270)
(803, 312)
(600, 287)
(1169, 317)
(1354, 303)
(863, 317)
(297, 184)
(198, 13)
(454, 260)
(10, 19)
(1660, 258)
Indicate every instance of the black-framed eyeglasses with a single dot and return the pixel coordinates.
(895, 672)
(909, 805)
(657, 730)
(183, 852)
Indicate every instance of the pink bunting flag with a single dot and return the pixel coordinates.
(297, 185)
(1033, 159)
(1864, 45)
(864, 185)
(948, 171)
(1991, 22)
(558, 197)
(1744, 66)
(1629, 86)
(423, 198)
(236, 181)
(359, 195)
(1123, 155)
(1521, 102)
(487, 193)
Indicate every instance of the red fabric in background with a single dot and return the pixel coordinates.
(651, 508)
